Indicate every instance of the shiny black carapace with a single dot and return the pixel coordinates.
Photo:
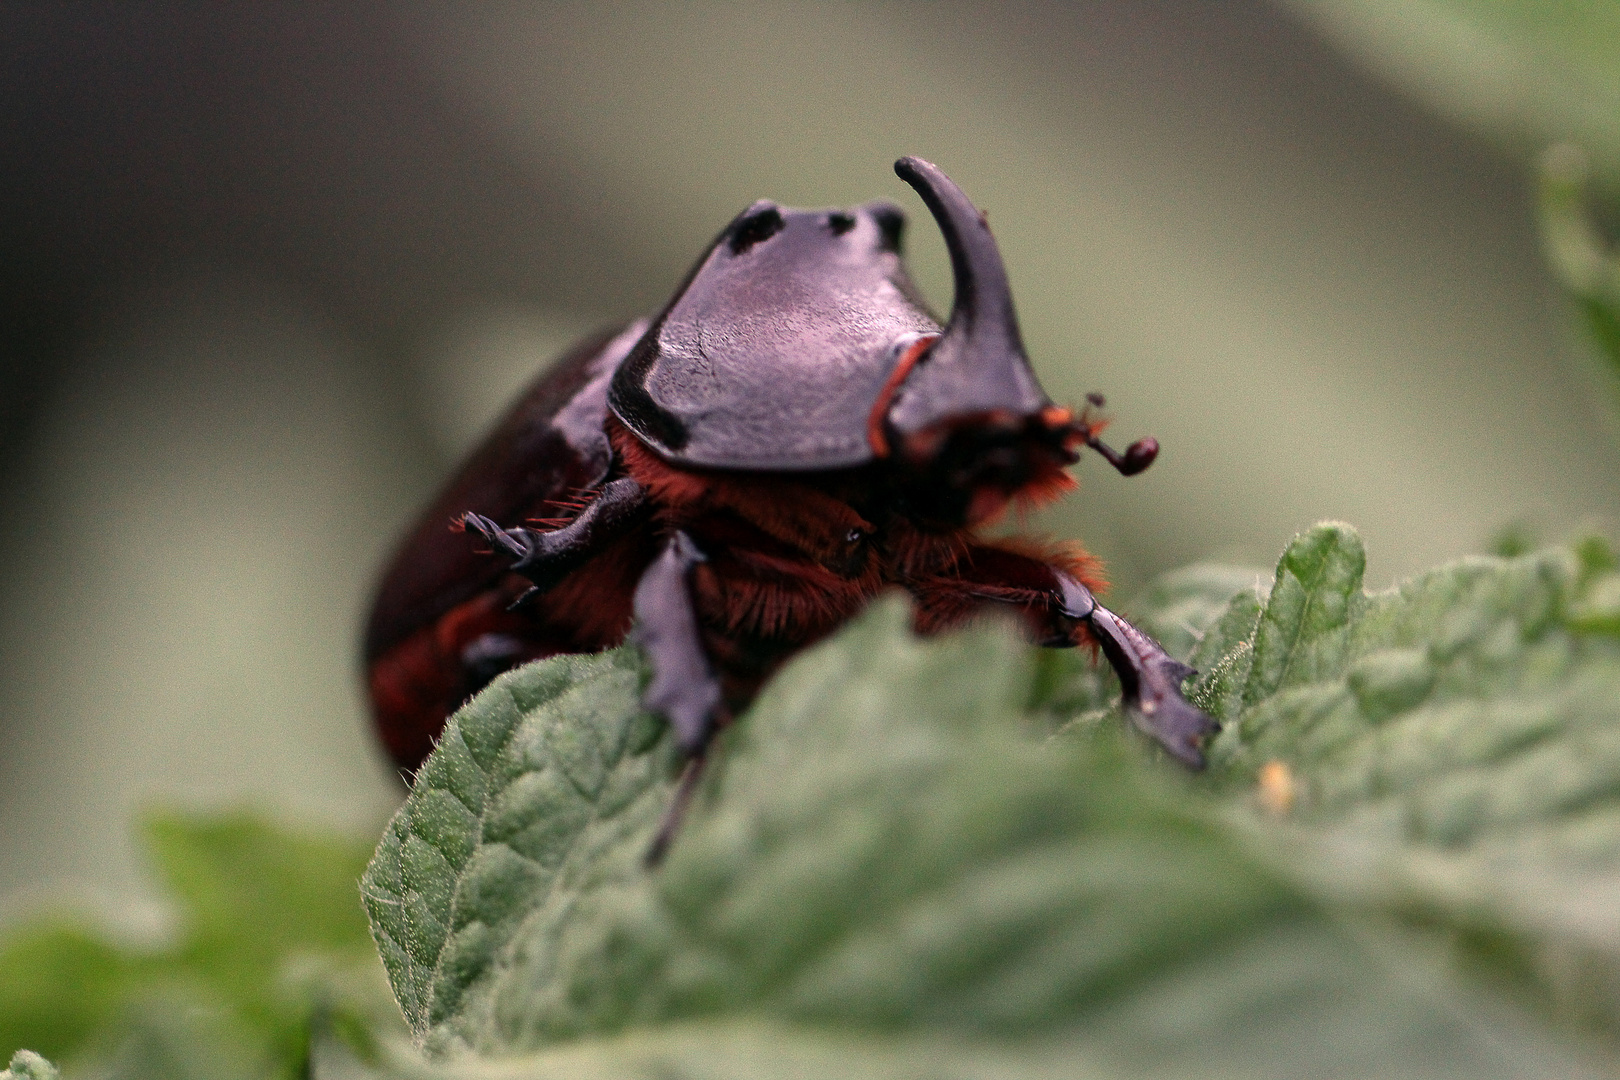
(793, 434)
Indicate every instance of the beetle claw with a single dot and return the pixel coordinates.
(1151, 681)
(514, 542)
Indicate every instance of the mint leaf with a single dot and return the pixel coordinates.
(60, 983)
(1532, 76)
(1454, 742)
(27, 1065)
(1246, 1025)
(548, 783)
(1523, 72)
(271, 934)
(870, 822)
(891, 870)
(1578, 252)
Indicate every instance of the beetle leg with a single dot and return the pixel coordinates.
(1149, 677)
(1055, 604)
(545, 558)
(684, 689)
(685, 787)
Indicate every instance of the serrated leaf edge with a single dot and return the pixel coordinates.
(426, 991)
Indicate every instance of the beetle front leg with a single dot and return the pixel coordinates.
(1149, 677)
(1055, 605)
(684, 689)
(545, 558)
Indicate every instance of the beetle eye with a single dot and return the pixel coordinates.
(760, 225)
(840, 222)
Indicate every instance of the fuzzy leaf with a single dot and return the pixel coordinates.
(1579, 253)
(1455, 749)
(1533, 76)
(269, 924)
(27, 1065)
(891, 872)
(1523, 72)
(540, 790)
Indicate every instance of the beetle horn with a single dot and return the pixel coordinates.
(978, 365)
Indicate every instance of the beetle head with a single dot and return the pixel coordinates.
(968, 425)
(772, 351)
(798, 344)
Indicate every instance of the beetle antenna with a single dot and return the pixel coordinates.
(1138, 456)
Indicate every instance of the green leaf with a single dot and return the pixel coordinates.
(891, 871)
(1578, 252)
(1456, 747)
(542, 787)
(249, 894)
(1532, 75)
(270, 928)
(1265, 1016)
(1525, 72)
(60, 983)
(27, 1065)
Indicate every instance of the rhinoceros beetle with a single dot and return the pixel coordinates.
(738, 476)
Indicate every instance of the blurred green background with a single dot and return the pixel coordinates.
(266, 270)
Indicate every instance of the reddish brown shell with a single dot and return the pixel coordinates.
(440, 592)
